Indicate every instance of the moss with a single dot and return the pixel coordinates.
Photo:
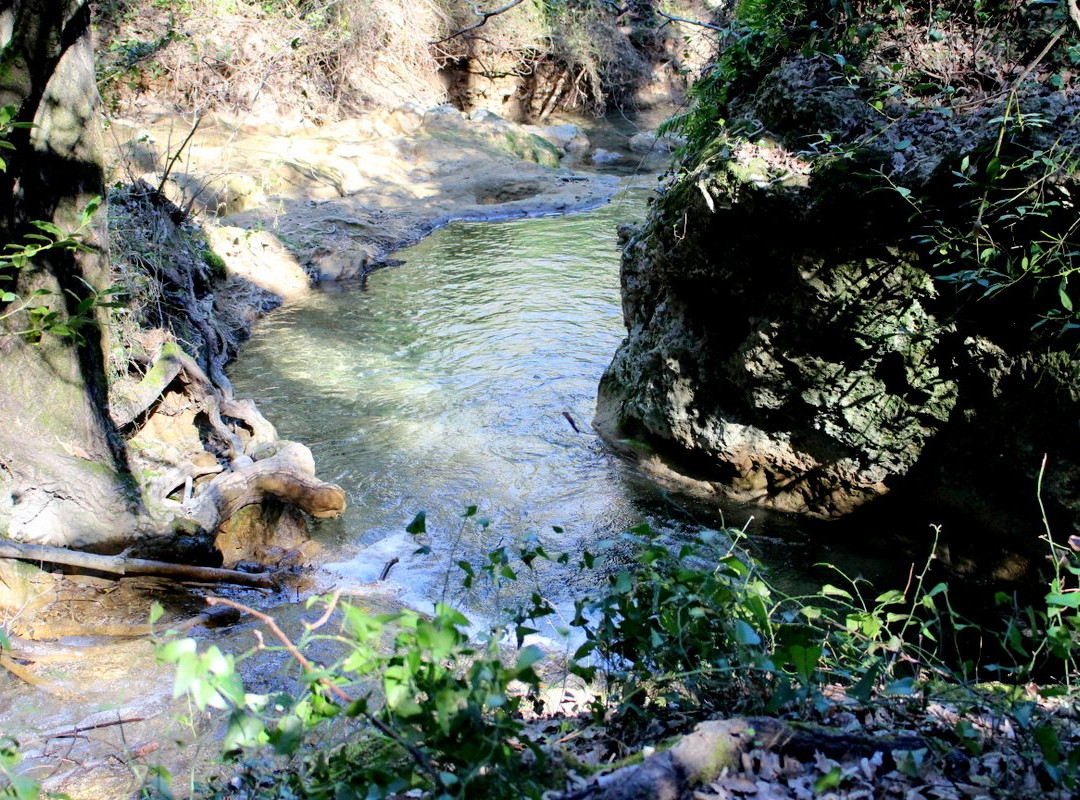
(215, 262)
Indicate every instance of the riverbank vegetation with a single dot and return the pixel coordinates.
(293, 61)
(885, 693)
(956, 125)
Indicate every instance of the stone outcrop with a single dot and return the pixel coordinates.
(789, 346)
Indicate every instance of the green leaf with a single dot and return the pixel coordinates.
(418, 525)
(862, 690)
(1047, 739)
(244, 730)
(1067, 600)
(288, 735)
(993, 169)
(172, 652)
(828, 590)
(48, 227)
(1063, 294)
(801, 647)
(828, 780)
(746, 635)
(529, 656)
(156, 611)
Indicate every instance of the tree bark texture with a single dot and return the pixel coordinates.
(64, 477)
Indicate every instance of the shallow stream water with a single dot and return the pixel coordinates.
(447, 382)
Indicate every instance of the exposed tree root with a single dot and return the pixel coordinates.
(26, 676)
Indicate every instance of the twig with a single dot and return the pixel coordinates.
(386, 570)
(485, 16)
(417, 755)
(77, 731)
(179, 151)
(699, 23)
(311, 626)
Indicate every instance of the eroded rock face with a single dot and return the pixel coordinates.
(787, 346)
(793, 378)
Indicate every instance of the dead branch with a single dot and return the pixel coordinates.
(713, 746)
(122, 565)
(685, 21)
(179, 151)
(485, 16)
(417, 755)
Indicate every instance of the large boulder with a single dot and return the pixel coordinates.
(791, 345)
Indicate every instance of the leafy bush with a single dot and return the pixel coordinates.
(682, 633)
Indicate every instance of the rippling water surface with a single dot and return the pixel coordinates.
(442, 384)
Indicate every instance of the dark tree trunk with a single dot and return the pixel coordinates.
(64, 478)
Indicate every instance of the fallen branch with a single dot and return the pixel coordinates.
(702, 755)
(122, 565)
(685, 21)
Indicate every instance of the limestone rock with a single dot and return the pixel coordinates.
(787, 346)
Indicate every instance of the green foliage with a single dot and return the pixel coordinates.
(12, 785)
(1009, 220)
(1018, 226)
(40, 318)
(437, 708)
(754, 37)
(686, 628)
(683, 631)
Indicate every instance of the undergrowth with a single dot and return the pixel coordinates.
(688, 631)
(1000, 221)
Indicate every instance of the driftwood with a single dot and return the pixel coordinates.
(121, 565)
(702, 755)
(288, 474)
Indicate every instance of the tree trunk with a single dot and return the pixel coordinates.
(64, 477)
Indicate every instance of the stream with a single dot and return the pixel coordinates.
(446, 382)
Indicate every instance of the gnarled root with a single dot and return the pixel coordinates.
(288, 474)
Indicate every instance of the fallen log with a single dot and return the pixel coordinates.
(701, 756)
(122, 565)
